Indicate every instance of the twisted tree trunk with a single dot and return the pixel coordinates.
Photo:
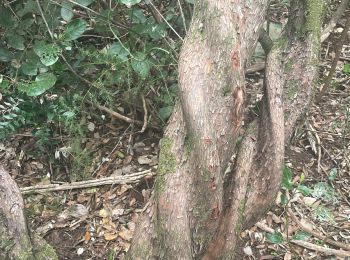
(16, 242)
(197, 211)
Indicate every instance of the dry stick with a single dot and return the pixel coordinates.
(123, 179)
(109, 155)
(327, 251)
(109, 111)
(115, 114)
(76, 73)
(334, 19)
(316, 234)
(182, 15)
(319, 149)
(255, 67)
(338, 50)
(165, 20)
(103, 108)
(264, 36)
(145, 115)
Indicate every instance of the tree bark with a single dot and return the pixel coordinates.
(16, 241)
(198, 211)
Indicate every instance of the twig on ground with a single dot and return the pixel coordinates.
(115, 114)
(89, 83)
(334, 19)
(319, 150)
(316, 234)
(107, 159)
(182, 15)
(145, 115)
(44, 19)
(327, 251)
(160, 14)
(338, 49)
(124, 179)
(255, 67)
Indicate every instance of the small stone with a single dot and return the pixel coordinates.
(144, 160)
(309, 201)
(80, 251)
(91, 126)
(248, 251)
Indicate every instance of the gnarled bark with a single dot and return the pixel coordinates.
(15, 240)
(198, 212)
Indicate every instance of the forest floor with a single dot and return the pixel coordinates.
(97, 222)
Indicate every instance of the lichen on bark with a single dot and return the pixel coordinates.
(166, 163)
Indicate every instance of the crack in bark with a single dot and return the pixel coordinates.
(200, 215)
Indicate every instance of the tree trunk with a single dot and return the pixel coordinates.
(15, 240)
(198, 211)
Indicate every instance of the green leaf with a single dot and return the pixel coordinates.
(68, 114)
(67, 11)
(157, 31)
(30, 6)
(141, 65)
(275, 238)
(48, 53)
(74, 29)
(189, 1)
(301, 235)
(67, 8)
(84, 2)
(165, 112)
(5, 17)
(284, 199)
(117, 49)
(137, 16)
(130, 3)
(332, 174)
(304, 190)
(30, 68)
(25, 24)
(324, 191)
(5, 55)
(4, 83)
(323, 214)
(42, 83)
(346, 68)
(287, 178)
(16, 41)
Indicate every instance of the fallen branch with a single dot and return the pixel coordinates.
(123, 179)
(145, 115)
(338, 49)
(327, 251)
(334, 19)
(115, 114)
(316, 234)
(255, 67)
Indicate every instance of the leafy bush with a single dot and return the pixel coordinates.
(55, 55)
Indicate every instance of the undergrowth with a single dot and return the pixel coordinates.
(57, 56)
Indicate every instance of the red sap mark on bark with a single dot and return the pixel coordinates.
(215, 211)
(207, 141)
(238, 99)
(211, 167)
(235, 60)
(305, 82)
(212, 184)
